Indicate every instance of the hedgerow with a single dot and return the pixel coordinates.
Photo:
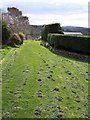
(73, 43)
(50, 28)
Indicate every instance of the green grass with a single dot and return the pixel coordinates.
(39, 84)
(4, 51)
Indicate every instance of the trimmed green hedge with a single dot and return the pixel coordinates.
(50, 28)
(73, 43)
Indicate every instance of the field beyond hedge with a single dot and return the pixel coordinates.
(39, 84)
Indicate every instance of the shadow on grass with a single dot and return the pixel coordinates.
(8, 46)
(72, 55)
(68, 53)
(78, 56)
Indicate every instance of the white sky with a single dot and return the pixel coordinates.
(66, 12)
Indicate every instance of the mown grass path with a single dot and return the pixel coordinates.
(37, 84)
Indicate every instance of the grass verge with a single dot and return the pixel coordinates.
(39, 84)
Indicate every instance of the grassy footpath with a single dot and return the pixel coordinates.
(37, 84)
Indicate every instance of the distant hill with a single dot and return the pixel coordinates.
(83, 30)
(37, 30)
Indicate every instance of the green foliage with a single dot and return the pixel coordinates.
(15, 40)
(5, 32)
(5, 51)
(50, 28)
(45, 44)
(22, 37)
(74, 43)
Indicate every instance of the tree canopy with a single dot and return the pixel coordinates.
(17, 21)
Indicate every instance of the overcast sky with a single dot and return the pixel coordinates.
(65, 12)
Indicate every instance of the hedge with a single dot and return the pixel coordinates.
(6, 31)
(73, 43)
(50, 28)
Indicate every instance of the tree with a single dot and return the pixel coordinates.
(14, 11)
(20, 22)
(17, 22)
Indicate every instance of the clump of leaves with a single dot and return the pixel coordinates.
(45, 44)
(15, 40)
(22, 36)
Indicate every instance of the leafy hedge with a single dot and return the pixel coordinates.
(50, 28)
(73, 43)
(6, 31)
